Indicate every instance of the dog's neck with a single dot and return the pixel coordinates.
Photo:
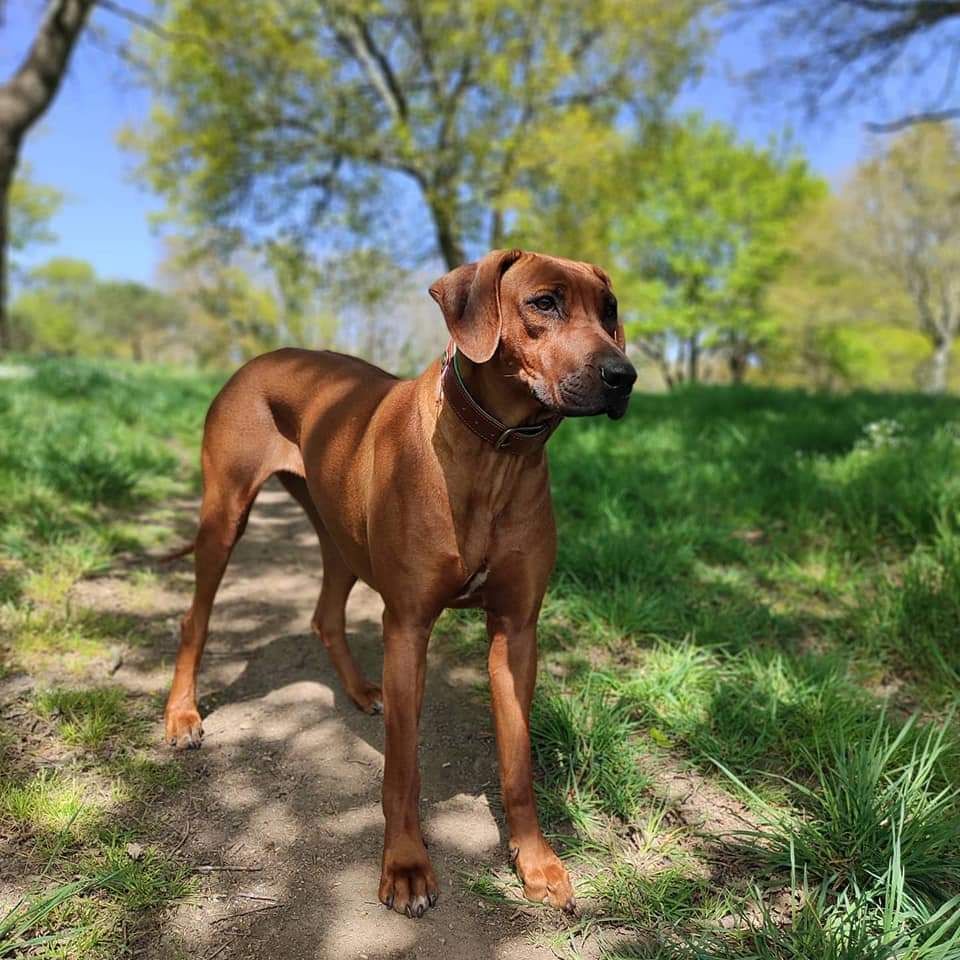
(500, 392)
(492, 387)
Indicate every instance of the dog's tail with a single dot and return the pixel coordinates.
(179, 552)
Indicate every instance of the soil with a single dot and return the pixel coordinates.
(283, 799)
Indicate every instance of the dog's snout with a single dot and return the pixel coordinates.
(618, 374)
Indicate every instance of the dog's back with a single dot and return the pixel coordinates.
(272, 400)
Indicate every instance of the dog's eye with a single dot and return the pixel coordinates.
(545, 303)
(610, 313)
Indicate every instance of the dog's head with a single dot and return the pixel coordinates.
(551, 324)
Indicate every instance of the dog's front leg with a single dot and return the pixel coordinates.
(513, 672)
(407, 882)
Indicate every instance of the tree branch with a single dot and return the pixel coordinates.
(912, 119)
(356, 37)
(29, 92)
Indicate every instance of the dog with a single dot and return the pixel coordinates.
(435, 492)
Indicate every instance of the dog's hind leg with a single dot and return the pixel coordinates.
(329, 617)
(229, 492)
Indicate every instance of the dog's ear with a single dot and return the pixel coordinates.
(469, 297)
(618, 334)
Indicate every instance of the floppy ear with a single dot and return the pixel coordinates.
(469, 297)
(618, 334)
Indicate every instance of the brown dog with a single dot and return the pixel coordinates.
(435, 492)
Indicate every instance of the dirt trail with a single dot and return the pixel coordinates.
(287, 784)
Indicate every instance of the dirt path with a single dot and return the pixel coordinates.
(287, 784)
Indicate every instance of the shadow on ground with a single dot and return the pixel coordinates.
(283, 800)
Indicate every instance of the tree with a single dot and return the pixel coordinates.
(32, 207)
(901, 220)
(701, 243)
(840, 50)
(288, 113)
(841, 321)
(133, 320)
(51, 314)
(24, 98)
(65, 309)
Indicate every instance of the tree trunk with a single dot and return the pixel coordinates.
(693, 359)
(6, 176)
(451, 249)
(939, 365)
(496, 229)
(24, 98)
(738, 366)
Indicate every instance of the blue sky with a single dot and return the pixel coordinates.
(106, 218)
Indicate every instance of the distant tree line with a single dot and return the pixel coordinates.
(320, 161)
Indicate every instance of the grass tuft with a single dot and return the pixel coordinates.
(870, 801)
(582, 743)
(89, 718)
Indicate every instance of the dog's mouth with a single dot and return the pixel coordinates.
(573, 402)
(581, 395)
(617, 407)
(613, 406)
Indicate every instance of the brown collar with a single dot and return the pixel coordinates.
(517, 440)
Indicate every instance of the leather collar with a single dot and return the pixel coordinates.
(520, 441)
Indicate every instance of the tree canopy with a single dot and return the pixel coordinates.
(279, 116)
(883, 266)
(66, 309)
(32, 206)
(693, 226)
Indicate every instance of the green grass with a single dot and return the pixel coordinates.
(88, 718)
(93, 868)
(867, 800)
(85, 449)
(80, 444)
(768, 583)
(757, 589)
(50, 805)
(582, 744)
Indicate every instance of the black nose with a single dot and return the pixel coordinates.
(618, 374)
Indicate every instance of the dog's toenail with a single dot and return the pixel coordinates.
(419, 910)
(432, 898)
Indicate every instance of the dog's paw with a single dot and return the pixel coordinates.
(184, 729)
(369, 698)
(544, 877)
(407, 883)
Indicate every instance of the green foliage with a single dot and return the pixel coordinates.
(65, 309)
(693, 225)
(705, 239)
(283, 114)
(873, 293)
(31, 208)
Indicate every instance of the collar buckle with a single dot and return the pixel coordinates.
(527, 433)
